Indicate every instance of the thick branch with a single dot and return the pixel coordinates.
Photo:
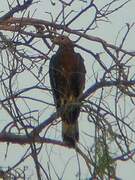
(101, 84)
(8, 25)
(88, 92)
(24, 139)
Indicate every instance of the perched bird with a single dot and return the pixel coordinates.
(67, 79)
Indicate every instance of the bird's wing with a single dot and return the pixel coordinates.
(78, 77)
(57, 80)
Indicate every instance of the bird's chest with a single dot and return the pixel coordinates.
(68, 64)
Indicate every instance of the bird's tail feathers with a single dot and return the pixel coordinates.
(70, 132)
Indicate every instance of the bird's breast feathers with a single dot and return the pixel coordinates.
(69, 63)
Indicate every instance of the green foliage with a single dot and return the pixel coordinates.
(105, 164)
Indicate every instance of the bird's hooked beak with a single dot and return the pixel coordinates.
(55, 40)
(61, 40)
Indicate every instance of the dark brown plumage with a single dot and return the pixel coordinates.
(67, 79)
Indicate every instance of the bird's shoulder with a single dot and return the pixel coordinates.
(81, 62)
(54, 60)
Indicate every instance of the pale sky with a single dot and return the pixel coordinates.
(107, 31)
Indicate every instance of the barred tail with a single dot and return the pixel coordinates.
(70, 132)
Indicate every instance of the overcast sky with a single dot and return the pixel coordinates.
(107, 31)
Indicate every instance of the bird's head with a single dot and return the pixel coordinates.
(62, 41)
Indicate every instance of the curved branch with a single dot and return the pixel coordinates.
(24, 139)
(101, 84)
(6, 25)
(89, 91)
